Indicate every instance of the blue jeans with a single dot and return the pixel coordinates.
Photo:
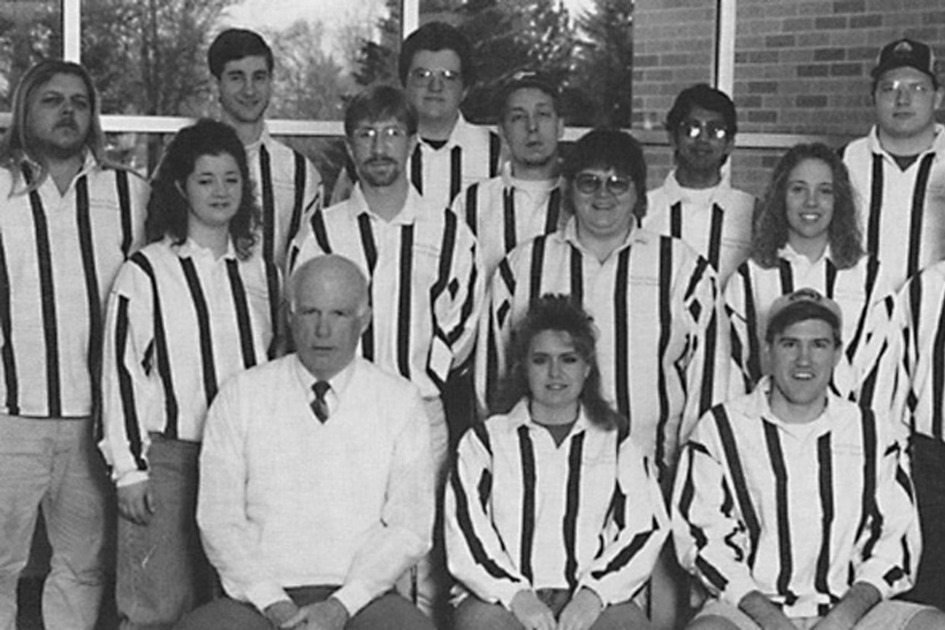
(51, 464)
(162, 571)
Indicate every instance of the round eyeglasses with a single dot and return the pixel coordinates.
(590, 183)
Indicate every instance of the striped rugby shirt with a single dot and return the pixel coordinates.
(920, 318)
(523, 513)
(866, 298)
(716, 222)
(58, 256)
(505, 211)
(797, 512)
(653, 301)
(902, 212)
(425, 283)
(473, 153)
(179, 323)
(288, 188)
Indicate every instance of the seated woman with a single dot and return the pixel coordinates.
(551, 511)
(186, 312)
(806, 236)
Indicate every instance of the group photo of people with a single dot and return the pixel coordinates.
(485, 378)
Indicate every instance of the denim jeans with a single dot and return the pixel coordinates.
(51, 464)
(162, 571)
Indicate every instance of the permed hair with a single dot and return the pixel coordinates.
(708, 98)
(436, 36)
(169, 208)
(608, 148)
(380, 102)
(234, 44)
(560, 314)
(16, 152)
(770, 230)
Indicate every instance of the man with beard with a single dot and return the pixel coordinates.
(696, 202)
(67, 222)
(288, 186)
(420, 259)
(525, 200)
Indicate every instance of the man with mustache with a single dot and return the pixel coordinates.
(68, 220)
(420, 259)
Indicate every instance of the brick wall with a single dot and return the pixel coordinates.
(801, 66)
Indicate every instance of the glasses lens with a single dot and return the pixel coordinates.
(587, 183)
(618, 185)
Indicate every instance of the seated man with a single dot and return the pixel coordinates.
(316, 482)
(792, 505)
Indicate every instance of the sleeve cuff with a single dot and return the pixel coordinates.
(265, 594)
(353, 596)
(130, 477)
(737, 589)
(874, 574)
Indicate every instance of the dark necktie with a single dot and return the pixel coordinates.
(320, 405)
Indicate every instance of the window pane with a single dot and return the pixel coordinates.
(30, 30)
(584, 45)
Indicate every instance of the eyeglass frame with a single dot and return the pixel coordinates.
(605, 182)
(711, 129)
(422, 76)
(368, 135)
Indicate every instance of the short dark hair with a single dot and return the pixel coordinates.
(609, 148)
(380, 102)
(708, 98)
(435, 36)
(522, 81)
(168, 208)
(236, 43)
(558, 313)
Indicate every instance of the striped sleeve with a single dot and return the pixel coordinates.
(709, 530)
(476, 555)
(627, 561)
(128, 390)
(495, 330)
(744, 349)
(888, 547)
(457, 297)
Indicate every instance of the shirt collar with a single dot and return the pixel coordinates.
(675, 190)
(520, 416)
(761, 408)
(339, 382)
(938, 142)
(190, 249)
(791, 255)
(568, 234)
(408, 214)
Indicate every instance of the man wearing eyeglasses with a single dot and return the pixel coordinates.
(696, 202)
(436, 70)
(898, 169)
(420, 259)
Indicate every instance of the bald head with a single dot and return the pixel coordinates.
(328, 307)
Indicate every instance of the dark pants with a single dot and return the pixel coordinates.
(388, 612)
(475, 614)
(928, 475)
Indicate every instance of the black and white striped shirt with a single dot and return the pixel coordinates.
(505, 211)
(288, 189)
(180, 322)
(902, 211)
(523, 513)
(920, 320)
(425, 284)
(798, 512)
(716, 222)
(58, 256)
(866, 298)
(653, 301)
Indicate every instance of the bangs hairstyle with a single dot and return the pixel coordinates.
(169, 208)
(609, 148)
(232, 45)
(16, 153)
(377, 103)
(706, 97)
(436, 36)
(770, 230)
(802, 312)
(558, 313)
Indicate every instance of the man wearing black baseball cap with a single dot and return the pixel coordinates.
(898, 169)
